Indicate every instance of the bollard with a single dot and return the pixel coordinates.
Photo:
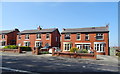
(53, 51)
(19, 50)
(37, 51)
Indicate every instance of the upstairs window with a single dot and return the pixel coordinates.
(86, 36)
(78, 36)
(67, 36)
(19, 36)
(27, 36)
(47, 36)
(38, 36)
(99, 36)
(3, 36)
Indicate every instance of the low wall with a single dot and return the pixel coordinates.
(11, 50)
(75, 55)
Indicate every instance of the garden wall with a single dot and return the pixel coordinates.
(75, 55)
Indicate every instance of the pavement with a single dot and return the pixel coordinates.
(36, 64)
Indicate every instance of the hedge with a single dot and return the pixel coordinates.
(11, 47)
(25, 48)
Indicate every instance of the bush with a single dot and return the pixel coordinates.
(74, 49)
(25, 48)
(118, 54)
(44, 52)
(83, 51)
(11, 47)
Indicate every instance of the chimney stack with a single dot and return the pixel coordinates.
(63, 29)
(107, 26)
(39, 28)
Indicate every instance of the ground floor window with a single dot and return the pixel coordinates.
(99, 47)
(83, 46)
(3, 43)
(67, 46)
(26, 43)
(38, 43)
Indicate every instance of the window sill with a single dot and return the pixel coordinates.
(67, 39)
(26, 39)
(78, 39)
(47, 39)
(99, 39)
(38, 39)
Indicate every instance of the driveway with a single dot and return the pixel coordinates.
(28, 63)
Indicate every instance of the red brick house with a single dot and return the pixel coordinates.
(39, 37)
(8, 37)
(92, 38)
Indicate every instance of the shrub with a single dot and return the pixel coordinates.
(25, 48)
(44, 52)
(11, 47)
(74, 49)
(83, 51)
(118, 54)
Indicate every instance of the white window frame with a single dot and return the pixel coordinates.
(40, 44)
(56, 38)
(100, 35)
(38, 36)
(27, 36)
(87, 36)
(65, 36)
(1, 43)
(48, 35)
(19, 37)
(27, 42)
(77, 36)
(102, 46)
(3, 36)
(67, 45)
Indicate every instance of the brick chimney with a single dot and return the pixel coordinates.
(39, 28)
(63, 29)
(107, 26)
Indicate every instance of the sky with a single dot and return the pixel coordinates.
(30, 15)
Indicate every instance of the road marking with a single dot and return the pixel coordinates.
(17, 70)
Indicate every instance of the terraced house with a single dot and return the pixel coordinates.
(8, 37)
(39, 37)
(92, 38)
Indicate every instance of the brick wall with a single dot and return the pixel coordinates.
(92, 39)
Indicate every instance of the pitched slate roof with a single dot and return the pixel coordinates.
(38, 31)
(90, 29)
(6, 31)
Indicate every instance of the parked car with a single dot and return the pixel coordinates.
(46, 48)
(57, 49)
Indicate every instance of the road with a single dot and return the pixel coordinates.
(36, 64)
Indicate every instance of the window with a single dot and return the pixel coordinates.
(86, 46)
(99, 47)
(78, 36)
(79, 46)
(3, 36)
(83, 46)
(26, 43)
(67, 46)
(3, 43)
(47, 36)
(27, 36)
(38, 43)
(86, 36)
(99, 36)
(67, 36)
(38, 36)
(56, 39)
(19, 36)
